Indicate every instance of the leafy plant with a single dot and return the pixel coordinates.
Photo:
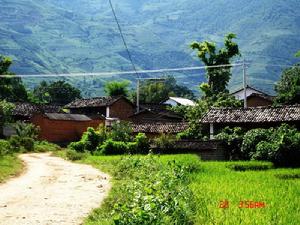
(164, 143)
(121, 131)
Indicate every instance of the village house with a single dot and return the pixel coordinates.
(250, 118)
(109, 107)
(255, 97)
(155, 113)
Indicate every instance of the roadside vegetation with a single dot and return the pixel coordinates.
(144, 186)
(10, 166)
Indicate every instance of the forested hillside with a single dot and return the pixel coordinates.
(62, 36)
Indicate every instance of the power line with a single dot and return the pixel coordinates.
(122, 72)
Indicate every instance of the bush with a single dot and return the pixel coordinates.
(27, 143)
(27, 130)
(4, 147)
(232, 139)
(141, 144)
(164, 143)
(44, 146)
(251, 140)
(78, 146)
(111, 147)
(121, 131)
(74, 155)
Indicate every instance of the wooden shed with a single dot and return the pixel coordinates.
(64, 128)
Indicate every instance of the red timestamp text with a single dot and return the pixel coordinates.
(243, 204)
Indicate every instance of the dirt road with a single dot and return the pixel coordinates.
(51, 191)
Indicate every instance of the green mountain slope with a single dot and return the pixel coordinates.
(62, 36)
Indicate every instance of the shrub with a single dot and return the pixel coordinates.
(158, 194)
(251, 140)
(78, 146)
(74, 155)
(232, 139)
(141, 144)
(27, 143)
(121, 131)
(15, 143)
(44, 146)
(4, 147)
(26, 130)
(164, 143)
(111, 147)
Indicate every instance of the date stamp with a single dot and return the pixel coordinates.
(225, 204)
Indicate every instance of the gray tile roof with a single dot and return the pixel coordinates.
(92, 102)
(69, 117)
(29, 109)
(168, 128)
(253, 115)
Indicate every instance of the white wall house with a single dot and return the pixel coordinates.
(249, 91)
(175, 101)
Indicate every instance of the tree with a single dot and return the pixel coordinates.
(117, 88)
(11, 87)
(158, 91)
(58, 92)
(297, 54)
(288, 88)
(218, 78)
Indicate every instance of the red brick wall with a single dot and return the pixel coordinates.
(121, 109)
(61, 131)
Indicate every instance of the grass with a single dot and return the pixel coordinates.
(10, 166)
(213, 182)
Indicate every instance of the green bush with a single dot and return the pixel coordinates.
(157, 194)
(78, 146)
(74, 155)
(251, 139)
(27, 143)
(44, 146)
(141, 144)
(15, 143)
(121, 131)
(111, 147)
(4, 147)
(26, 130)
(164, 143)
(232, 139)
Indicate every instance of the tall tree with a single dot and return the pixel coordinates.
(218, 78)
(288, 88)
(11, 87)
(117, 88)
(58, 92)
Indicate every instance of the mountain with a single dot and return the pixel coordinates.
(62, 36)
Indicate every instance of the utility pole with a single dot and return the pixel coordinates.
(245, 83)
(138, 95)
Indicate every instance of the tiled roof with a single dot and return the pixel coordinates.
(29, 109)
(169, 128)
(70, 117)
(253, 115)
(158, 110)
(93, 102)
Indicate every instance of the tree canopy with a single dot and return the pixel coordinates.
(158, 91)
(11, 87)
(288, 88)
(218, 78)
(58, 92)
(117, 88)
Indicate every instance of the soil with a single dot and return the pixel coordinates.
(51, 191)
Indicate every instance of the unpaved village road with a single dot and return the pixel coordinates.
(51, 191)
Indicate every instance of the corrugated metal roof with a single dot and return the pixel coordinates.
(69, 117)
(253, 115)
(183, 101)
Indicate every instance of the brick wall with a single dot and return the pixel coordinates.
(121, 109)
(207, 150)
(62, 131)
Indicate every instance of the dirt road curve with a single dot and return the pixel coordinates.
(51, 191)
